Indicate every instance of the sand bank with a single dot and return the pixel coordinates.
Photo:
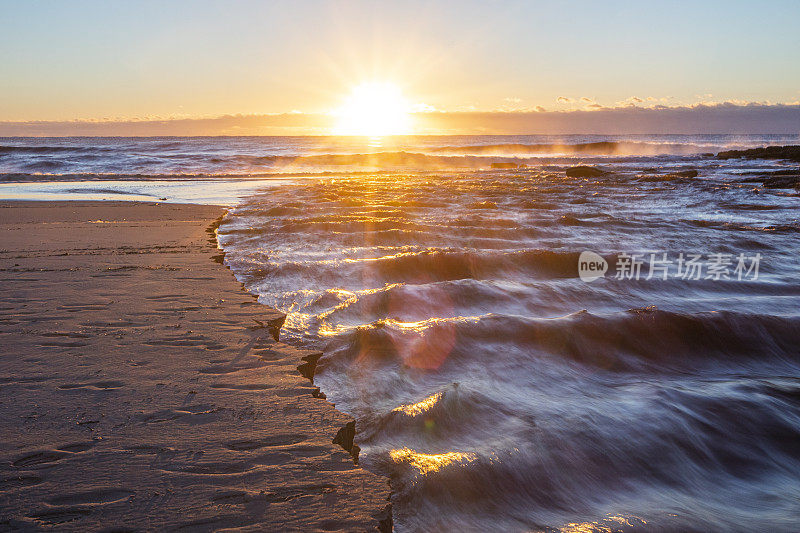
(142, 388)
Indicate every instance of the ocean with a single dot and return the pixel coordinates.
(522, 350)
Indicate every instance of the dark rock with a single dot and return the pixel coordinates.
(692, 173)
(687, 173)
(582, 171)
(791, 153)
(782, 182)
(761, 174)
(785, 172)
(777, 181)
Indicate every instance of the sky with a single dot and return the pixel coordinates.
(153, 61)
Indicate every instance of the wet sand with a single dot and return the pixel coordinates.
(141, 387)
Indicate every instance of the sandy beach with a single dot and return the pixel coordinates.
(142, 388)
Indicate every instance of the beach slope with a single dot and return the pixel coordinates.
(142, 388)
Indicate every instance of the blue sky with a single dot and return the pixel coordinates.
(91, 59)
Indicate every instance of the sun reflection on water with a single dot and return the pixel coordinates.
(426, 463)
(610, 524)
(415, 409)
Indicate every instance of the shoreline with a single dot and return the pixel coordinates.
(147, 389)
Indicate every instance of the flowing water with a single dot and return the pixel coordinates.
(497, 388)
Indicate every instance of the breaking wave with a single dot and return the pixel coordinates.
(498, 390)
(618, 148)
(247, 156)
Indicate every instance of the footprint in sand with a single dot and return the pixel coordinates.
(190, 414)
(250, 364)
(63, 344)
(242, 386)
(96, 385)
(51, 456)
(60, 516)
(93, 497)
(39, 458)
(272, 440)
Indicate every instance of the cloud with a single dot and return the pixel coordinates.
(276, 124)
(717, 117)
(511, 104)
(632, 101)
(587, 100)
(563, 100)
(698, 118)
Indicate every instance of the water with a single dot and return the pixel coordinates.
(137, 157)
(497, 389)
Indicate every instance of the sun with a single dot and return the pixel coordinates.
(373, 109)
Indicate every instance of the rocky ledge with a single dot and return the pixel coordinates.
(792, 153)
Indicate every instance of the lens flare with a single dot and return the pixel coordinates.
(374, 109)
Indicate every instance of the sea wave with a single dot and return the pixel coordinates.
(44, 149)
(165, 160)
(436, 265)
(590, 466)
(258, 155)
(643, 339)
(617, 148)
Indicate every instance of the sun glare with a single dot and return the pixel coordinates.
(374, 109)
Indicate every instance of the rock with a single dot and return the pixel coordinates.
(582, 171)
(691, 173)
(777, 181)
(781, 172)
(785, 172)
(687, 173)
(770, 152)
(782, 182)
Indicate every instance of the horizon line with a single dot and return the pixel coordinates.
(778, 119)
